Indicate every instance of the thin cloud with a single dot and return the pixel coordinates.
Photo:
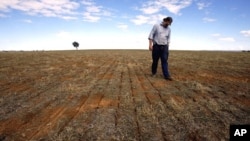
(140, 19)
(173, 6)
(150, 10)
(245, 33)
(216, 35)
(69, 18)
(150, 7)
(4, 5)
(93, 12)
(47, 8)
(64, 9)
(3, 15)
(202, 5)
(122, 26)
(27, 21)
(87, 2)
(89, 17)
(149, 19)
(219, 37)
(207, 20)
(227, 39)
(94, 9)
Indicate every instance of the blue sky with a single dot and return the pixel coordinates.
(123, 24)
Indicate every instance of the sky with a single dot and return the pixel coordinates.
(123, 24)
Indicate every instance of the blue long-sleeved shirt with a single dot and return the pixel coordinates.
(160, 35)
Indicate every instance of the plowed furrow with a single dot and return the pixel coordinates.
(110, 95)
(104, 110)
(20, 127)
(34, 95)
(91, 102)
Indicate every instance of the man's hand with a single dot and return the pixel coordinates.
(150, 47)
(150, 44)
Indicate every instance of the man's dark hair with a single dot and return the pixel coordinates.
(169, 19)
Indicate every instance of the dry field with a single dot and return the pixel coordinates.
(110, 96)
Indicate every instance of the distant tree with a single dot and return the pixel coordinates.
(75, 44)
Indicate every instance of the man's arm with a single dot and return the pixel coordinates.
(151, 37)
(169, 36)
(150, 44)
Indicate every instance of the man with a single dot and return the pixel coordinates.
(159, 39)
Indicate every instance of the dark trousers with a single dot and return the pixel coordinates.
(160, 51)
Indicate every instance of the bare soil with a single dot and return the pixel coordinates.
(110, 95)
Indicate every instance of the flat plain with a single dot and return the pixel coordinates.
(109, 95)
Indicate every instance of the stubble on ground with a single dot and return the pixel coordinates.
(110, 95)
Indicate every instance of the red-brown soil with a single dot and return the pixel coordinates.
(110, 95)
